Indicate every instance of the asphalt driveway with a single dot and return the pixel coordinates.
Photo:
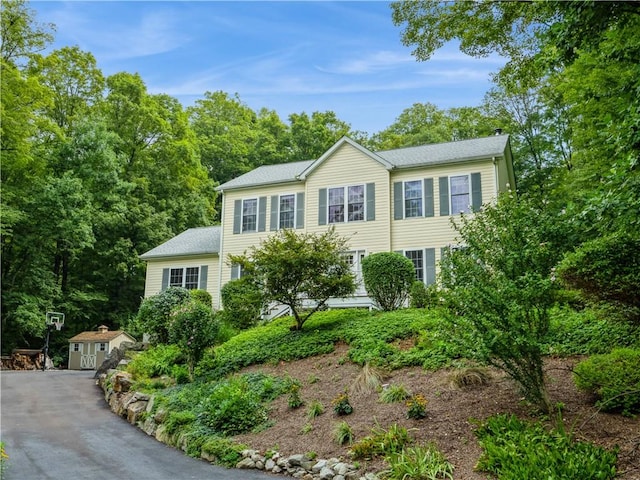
(56, 425)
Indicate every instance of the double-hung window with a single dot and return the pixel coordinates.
(287, 209)
(346, 199)
(413, 199)
(460, 194)
(417, 257)
(184, 277)
(249, 215)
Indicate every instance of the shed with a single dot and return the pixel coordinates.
(89, 349)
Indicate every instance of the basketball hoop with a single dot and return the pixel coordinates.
(58, 325)
(55, 318)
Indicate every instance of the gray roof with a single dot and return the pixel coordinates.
(195, 241)
(449, 152)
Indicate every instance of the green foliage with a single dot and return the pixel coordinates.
(500, 287)
(155, 361)
(614, 378)
(394, 393)
(388, 276)
(341, 404)
(225, 452)
(423, 296)
(295, 267)
(4, 458)
(178, 419)
(343, 433)
(381, 442)
(201, 296)
(606, 269)
(315, 409)
(417, 407)
(294, 400)
(154, 315)
(242, 301)
(513, 449)
(193, 327)
(419, 463)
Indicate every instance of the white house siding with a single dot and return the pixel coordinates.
(153, 284)
(437, 231)
(349, 166)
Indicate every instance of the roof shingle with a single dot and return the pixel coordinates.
(195, 241)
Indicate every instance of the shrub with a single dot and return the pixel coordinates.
(343, 433)
(381, 442)
(193, 327)
(394, 393)
(423, 296)
(315, 409)
(154, 312)
(368, 380)
(294, 400)
(417, 407)
(514, 450)
(341, 404)
(420, 463)
(242, 302)
(225, 452)
(201, 296)
(156, 361)
(388, 276)
(606, 269)
(175, 420)
(614, 378)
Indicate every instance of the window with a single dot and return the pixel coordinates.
(287, 211)
(76, 347)
(184, 277)
(354, 204)
(102, 347)
(354, 259)
(250, 215)
(417, 257)
(460, 201)
(413, 199)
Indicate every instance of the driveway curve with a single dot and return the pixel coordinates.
(57, 426)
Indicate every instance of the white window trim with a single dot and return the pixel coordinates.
(469, 207)
(424, 269)
(257, 199)
(99, 346)
(404, 198)
(295, 208)
(345, 193)
(184, 276)
(73, 347)
(358, 255)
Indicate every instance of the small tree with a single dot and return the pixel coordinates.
(388, 277)
(300, 270)
(242, 302)
(154, 312)
(193, 327)
(500, 285)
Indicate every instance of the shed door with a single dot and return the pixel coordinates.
(88, 358)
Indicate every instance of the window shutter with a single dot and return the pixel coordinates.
(430, 265)
(300, 210)
(204, 270)
(322, 206)
(235, 271)
(370, 194)
(274, 212)
(398, 204)
(165, 279)
(237, 216)
(476, 192)
(428, 197)
(262, 214)
(444, 196)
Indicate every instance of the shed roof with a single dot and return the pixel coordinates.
(195, 241)
(408, 157)
(104, 336)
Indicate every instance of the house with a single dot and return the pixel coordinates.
(89, 349)
(395, 200)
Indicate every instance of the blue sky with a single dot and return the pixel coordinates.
(290, 57)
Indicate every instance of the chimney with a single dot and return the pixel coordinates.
(103, 329)
(497, 131)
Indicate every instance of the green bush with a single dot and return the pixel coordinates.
(156, 361)
(388, 276)
(394, 393)
(382, 442)
(177, 419)
(201, 296)
(423, 296)
(224, 451)
(606, 269)
(154, 312)
(420, 463)
(242, 302)
(515, 450)
(614, 378)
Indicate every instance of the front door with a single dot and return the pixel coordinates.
(88, 358)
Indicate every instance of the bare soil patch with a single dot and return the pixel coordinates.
(450, 413)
